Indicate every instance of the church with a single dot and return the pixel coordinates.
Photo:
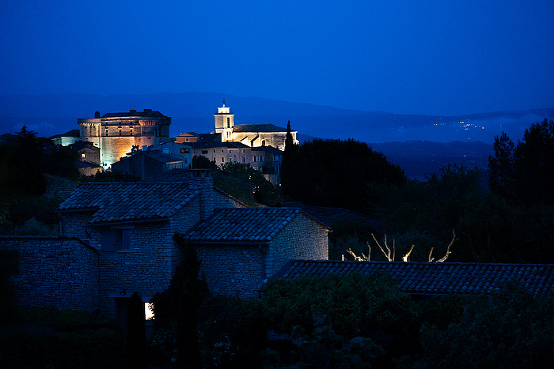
(252, 135)
(118, 134)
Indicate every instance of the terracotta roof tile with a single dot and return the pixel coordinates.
(434, 278)
(129, 201)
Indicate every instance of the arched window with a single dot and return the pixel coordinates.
(263, 142)
(228, 122)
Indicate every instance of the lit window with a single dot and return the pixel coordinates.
(148, 312)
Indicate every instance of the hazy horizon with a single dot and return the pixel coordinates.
(53, 114)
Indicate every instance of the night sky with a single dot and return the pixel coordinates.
(418, 57)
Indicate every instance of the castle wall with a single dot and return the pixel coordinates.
(115, 135)
(55, 271)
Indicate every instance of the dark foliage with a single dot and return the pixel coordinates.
(349, 235)
(24, 158)
(110, 176)
(177, 306)
(508, 329)
(9, 265)
(202, 162)
(52, 338)
(336, 173)
(356, 305)
(523, 172)
(20, 166)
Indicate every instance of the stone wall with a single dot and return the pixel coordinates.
(239, 270)
(232, 270)
(149, 263)
(55, 271)
(303, 238)
(222, 200)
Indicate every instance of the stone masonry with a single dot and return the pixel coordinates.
(60, 272)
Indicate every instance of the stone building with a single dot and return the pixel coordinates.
(89, 158)
(252, 135)
(147, 163)
(223, 152)
(242, 248)
(66, 139)
(61, 272)
(268, 160)
(117, 133)
(118, 238)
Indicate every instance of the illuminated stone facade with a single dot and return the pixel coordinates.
(252, 135)
(116, 133)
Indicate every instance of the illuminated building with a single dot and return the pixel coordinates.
(117, 133)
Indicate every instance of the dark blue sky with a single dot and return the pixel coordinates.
(420, 57)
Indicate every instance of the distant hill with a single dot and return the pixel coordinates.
(422, 158)
(193, 111)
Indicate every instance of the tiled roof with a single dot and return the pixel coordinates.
(129, 201)
(174, 175)
(257, 128)
(330, 216)
(269, 149)
(217, 144)
(209, 137)
(145, 113)
(72, 133)
(160, 156)
(434, 278)
(242, 225)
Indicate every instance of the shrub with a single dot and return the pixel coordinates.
(508, 329)
(63, 339)
(357, 305)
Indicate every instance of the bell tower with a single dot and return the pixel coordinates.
(224, 122)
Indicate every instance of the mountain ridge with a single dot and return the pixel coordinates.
(193, 111)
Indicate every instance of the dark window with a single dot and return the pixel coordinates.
(108, 240)
(116, 239)
(185, 150)
(204, 151)
(123, 239)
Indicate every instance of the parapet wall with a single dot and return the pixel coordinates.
(55, 271)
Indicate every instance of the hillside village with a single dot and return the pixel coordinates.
(118, 239)
(138, 143)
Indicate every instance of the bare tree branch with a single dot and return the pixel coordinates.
(448, 252)
(388, 253)
(405, 257)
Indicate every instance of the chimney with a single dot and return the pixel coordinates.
(205, 184)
